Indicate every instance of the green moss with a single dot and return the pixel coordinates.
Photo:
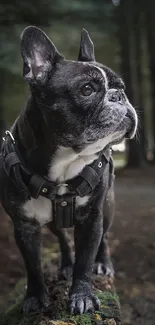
(12, 315)
(110, 305)
(15, 297)
(85, 319)
(110, 308)
(107, 296)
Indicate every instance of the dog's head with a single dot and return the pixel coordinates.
(82, 100)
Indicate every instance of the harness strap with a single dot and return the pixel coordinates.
(89, 178)
(10, 161)
(33, 185)
(19, 183)
(90, 181)
(40, 186)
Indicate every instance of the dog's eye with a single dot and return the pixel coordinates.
(87, 90)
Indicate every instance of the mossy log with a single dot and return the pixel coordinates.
(109, 313)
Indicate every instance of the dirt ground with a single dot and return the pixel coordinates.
(132, 242)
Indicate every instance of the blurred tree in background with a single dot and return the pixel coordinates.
(135, 21)
(130, 34)
(123, 33)
(149, 9)
(14, 15)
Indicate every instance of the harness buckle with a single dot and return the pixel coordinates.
(62, 184)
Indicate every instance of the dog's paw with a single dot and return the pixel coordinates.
(66, 273)
(83, 303)
(34, 304)
(108, 273)
(104, 269)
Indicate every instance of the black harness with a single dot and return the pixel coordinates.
(33, 185)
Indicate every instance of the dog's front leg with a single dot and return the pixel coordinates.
(103, 261)
(87, 239)
(28, 239)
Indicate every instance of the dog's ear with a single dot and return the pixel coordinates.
(86, 48)
(39, 55)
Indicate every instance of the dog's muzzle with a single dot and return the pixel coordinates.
(133, 122)
(130, 119)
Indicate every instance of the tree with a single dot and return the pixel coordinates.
(130, 37)
(149, 8)
(13, 16)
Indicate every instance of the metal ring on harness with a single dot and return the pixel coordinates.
(7, 132)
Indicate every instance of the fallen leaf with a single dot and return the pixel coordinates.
(110, 321)
(98, 317)
(60, 322)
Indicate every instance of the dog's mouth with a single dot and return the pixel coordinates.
(105, 138)
(127, 126)
(125, 130)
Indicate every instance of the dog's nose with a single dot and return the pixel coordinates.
(115, 95)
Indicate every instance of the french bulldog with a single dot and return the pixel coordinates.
(75, 112)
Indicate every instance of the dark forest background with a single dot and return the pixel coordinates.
(123, 33)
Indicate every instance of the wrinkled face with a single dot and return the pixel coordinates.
(86, 100)
(93, 102)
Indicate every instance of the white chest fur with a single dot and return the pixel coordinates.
(64, 166)
(67, 164)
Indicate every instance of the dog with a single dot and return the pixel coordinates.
(56, 164)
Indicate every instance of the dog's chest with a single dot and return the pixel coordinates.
(65, 165)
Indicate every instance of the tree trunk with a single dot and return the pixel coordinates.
(130, 50)
(138, 40)
(2, 122)
(149, 12)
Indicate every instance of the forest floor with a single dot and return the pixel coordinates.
(132, 242)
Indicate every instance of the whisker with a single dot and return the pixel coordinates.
(137, 137)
